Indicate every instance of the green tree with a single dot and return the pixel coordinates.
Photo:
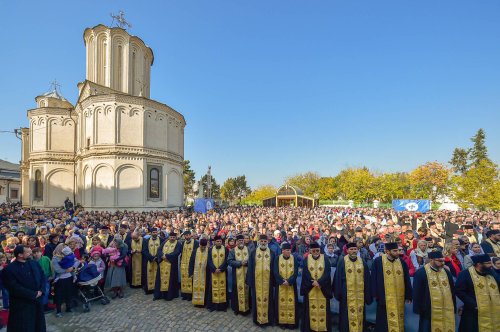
(478, 151)
(389, 186)
(308, 182)
(479, 186)
(189, 179)
(235, 189)
(355, 184)
(259, 194)
(215, 187)
(459, 160)
(430, 180)
(327, 188)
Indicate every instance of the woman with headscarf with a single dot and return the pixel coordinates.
(474, 249)
(116, 277)
(418, 256)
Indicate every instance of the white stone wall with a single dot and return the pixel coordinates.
(118, 60)
(57, 181)
(5, 191)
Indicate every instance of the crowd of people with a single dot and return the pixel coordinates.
(260, 261)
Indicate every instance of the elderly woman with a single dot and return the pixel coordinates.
(474, 249)
(64, 288)
(116, 278)
(418, 256)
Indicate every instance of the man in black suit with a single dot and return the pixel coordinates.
(450, 228)
(25, 281)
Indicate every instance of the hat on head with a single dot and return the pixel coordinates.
(186, 232)
(173, 233)
(240, 237)
(468, 226)
(263, 237)
(351, 245)
(154, 229)
(203, 242)
(492, 232)
(391, 246)
(483, 258)
(435, 254)
(286, 246)
(314, 245)
(96, 250)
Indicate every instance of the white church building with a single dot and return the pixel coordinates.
(115, 148)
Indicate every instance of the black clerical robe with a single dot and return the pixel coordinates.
(378, 291)
(340, 292)
(317, 311)
(150, 263)
(260, 279)
(464, 289)
(240, 293)
(422, 304)
(167, 284)
(286, 311)
(23, 281)
(217, 297)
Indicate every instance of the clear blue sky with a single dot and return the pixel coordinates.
(273, 88)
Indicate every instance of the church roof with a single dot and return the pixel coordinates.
(54, 94)
(8, 166)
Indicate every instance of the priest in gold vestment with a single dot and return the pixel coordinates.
(434, 296)
(316, 287)
(391, 288)
(167, 277)
(260, 279)
(285, 271)
(189, 247)
(238, 260)
(217, 298)
(198, 273)
(478, 288)
(136, 261)
(351, 287)
(150, 256)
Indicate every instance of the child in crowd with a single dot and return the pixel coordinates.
(5, 294)
(113, 254)
(95, 258)
(48, 271)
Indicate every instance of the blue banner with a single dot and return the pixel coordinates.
(203, 205)
(415, 205)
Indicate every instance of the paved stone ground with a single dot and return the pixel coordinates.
(138, 312)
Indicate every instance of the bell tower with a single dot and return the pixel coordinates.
(118, 60)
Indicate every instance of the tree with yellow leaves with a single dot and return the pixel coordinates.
(259, 194)
(430, 180)
(478, 186)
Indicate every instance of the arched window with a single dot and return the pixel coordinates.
(154, 183)
(38, 185)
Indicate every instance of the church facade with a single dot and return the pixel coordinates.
(115, 148)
